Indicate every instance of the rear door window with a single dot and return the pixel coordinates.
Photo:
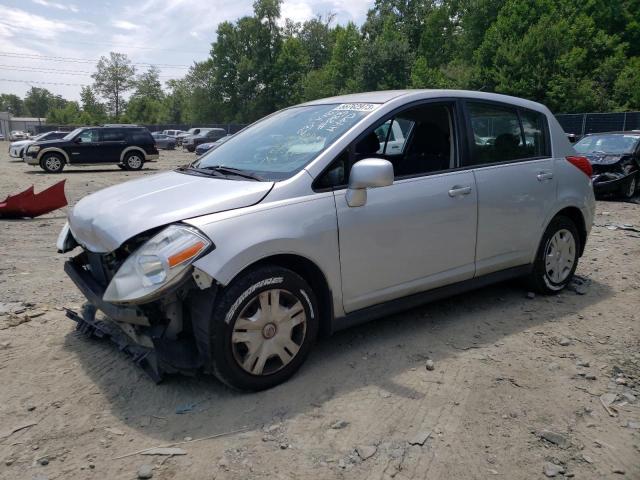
(504, 134)
(114, 135)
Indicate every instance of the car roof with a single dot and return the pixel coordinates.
(384, 96)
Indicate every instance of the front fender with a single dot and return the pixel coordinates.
(45, 150)
(304, 226)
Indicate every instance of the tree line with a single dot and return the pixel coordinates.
(574, 56)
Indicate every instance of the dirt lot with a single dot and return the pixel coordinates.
(507, 369)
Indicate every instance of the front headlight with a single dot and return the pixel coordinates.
(66, 242)
(33, 148)
(157, 265)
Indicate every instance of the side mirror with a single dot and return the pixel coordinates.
(77, 140)
(367, 173)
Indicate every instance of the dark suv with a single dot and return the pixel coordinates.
(127, 146)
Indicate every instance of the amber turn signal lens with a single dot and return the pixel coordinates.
(186, 254)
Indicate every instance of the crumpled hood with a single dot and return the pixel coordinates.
(606, 158)
(104, 220)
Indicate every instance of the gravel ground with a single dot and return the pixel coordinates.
(517, 387)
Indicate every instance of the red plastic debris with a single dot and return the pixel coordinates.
(30, 204)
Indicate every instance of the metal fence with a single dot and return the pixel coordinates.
(229, 127)
(583, 123)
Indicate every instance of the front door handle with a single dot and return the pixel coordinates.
(542, 176)
(458, 190)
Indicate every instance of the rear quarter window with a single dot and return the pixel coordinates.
(141, 136)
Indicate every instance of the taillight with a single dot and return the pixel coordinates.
(581, 163)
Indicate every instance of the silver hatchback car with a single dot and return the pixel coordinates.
(322, 216)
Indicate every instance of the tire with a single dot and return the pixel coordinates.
(133, 161)
(52, 163)
(630, 189)
(171, 146)
(191, 149)
(271, 349)
(560, 241)
(121, 167)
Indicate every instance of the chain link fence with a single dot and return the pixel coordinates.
(582, 123)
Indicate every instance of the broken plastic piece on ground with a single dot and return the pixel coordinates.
(30, 204)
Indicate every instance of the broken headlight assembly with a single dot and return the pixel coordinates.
(159, 264)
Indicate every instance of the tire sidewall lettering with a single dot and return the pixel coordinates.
(248, 292)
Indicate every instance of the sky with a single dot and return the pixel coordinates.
(55, 44)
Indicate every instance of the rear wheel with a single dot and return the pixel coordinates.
(52, 163)
(264, 325)
(133, 161)
(557, 256)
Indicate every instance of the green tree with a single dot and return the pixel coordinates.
(148, 84)
(342, 68)
(93, 112)
(114, 76)
(627, 85)
(69, 114)
(11, 103)
(38, 101)
(553, 52)
(146, 110)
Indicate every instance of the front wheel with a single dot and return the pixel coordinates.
(557, 256)
(630, 189)
(133, 161)
(264, 325)
(52, 163)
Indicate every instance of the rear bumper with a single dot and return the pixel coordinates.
(151, 157)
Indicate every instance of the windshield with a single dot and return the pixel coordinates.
(284, 143)
(611, 143)
(72, 134)
(40, 136)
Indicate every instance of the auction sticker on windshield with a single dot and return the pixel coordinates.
(357, 107)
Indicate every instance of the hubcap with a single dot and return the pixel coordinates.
(53, 163)
(269, 332)
(560, 256)
(134, 161)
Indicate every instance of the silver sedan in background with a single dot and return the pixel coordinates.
(164, 141)
(326, 215)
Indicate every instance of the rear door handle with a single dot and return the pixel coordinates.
(457, 190)
(542, 176)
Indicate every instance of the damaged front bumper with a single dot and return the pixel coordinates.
(611, 182)
(169, 335)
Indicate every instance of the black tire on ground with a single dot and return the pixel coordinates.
(549, 276)
(133, 160)
(191, 149)
(239, 298)
(629, 190)
(171, 146)
(52, 163)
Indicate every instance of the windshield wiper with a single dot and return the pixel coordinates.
(202, 171)
(234, 171)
